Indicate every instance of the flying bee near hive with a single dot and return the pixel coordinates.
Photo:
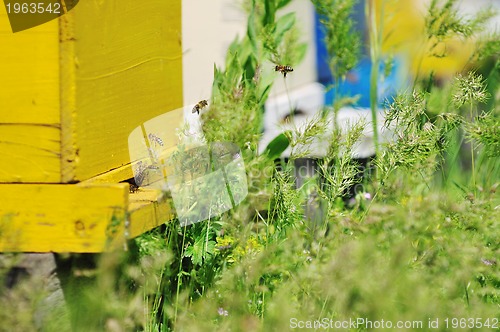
(283, 69)
(201, 105)
(139, 173)
(142, 172)
(155, 139)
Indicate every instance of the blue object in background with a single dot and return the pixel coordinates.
(357, 81)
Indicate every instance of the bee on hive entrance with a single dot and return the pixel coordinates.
(283, 69)
(133, 188)
(201, 105)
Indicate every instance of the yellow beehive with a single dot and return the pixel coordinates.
(71, 91)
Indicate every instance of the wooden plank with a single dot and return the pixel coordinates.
(29, 67)
(61, 218)
(29, 103)
(113, 176)
(137, 145)
(148, 209)
(76, 218)
(30, 153)
(68, 63)
(127, 63)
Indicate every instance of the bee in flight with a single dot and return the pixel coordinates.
(201, 105)
(155, 139)
(283, 69)
(142, 172)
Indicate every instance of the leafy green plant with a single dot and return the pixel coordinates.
(240, 90)
(419, 243)
(443, 22)
(263, 263)
(343, 43)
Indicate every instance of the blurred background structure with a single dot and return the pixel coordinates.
(205, 44)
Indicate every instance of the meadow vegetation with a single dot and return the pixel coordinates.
(421, 240)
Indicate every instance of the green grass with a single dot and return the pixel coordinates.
(424, 247)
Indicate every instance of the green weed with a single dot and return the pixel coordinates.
(420, 242)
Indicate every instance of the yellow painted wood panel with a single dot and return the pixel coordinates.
(113, 176)
(148, 209)
(29, 103)
(29, 153)
(61, 218)
(76, 218)
(29, 73)
(127, 63)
